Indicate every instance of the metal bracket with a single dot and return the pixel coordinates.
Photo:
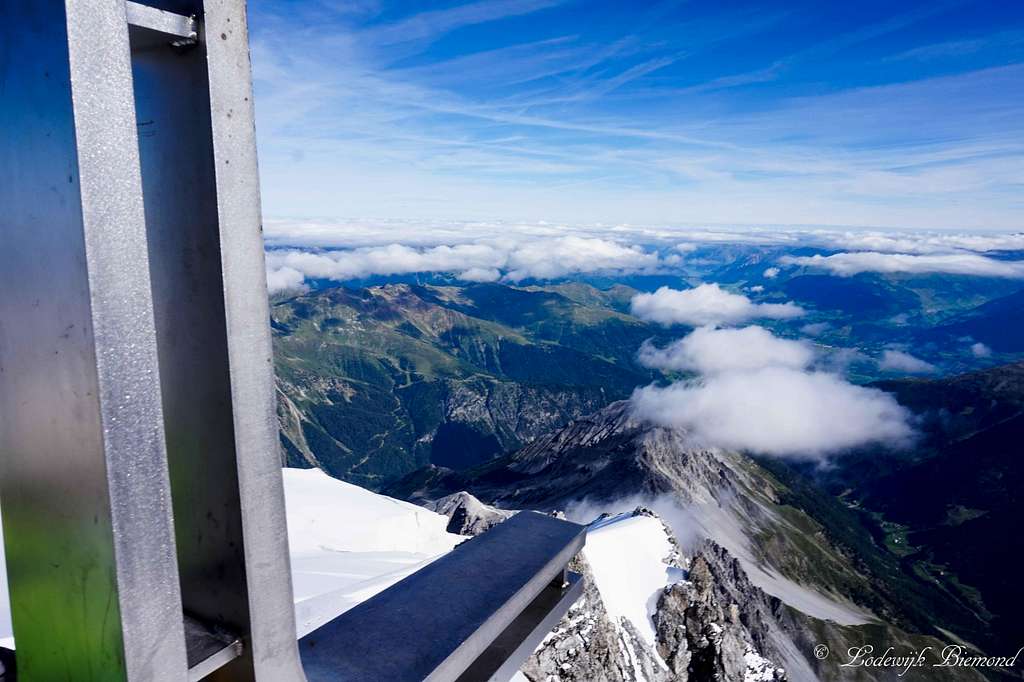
(184, 29)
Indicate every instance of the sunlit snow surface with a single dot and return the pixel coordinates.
(627, 557)
(346, 545)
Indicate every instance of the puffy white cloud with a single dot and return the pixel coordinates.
(899, 361)
(393, 259)
(771, 273)
(284, 279)
(847, 264)
(713, 351)
(759, 393)
(777, 411)
(756, 289)
(552, 258)
(707, 304)
(980, 350)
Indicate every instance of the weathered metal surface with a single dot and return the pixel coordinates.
(250, 353)
(83, 477)
(165, 22)
(503, 658)
(436, 623)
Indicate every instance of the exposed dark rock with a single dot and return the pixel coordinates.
(468, 515)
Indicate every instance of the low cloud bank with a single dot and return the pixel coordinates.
(760, 393)
(707, 304)
(490, 251)
(505, 260)
(924, 242)
(360, 233)
(849, 264)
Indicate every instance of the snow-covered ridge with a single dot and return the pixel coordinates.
(629, 555)
(651, 614)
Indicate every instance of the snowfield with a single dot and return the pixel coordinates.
(346, 545)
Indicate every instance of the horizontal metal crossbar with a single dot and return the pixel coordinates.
(155, 19)
(469, 609)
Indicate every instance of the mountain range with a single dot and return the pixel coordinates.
(374, 383)
(514, 398)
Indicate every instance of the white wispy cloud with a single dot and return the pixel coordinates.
(427, 26)
(357, 116)
(893, 360)
(707, 304)
(951, 49)
(848, 264)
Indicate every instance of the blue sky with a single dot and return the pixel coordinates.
(663, 113)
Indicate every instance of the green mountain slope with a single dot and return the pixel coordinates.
(375, 382)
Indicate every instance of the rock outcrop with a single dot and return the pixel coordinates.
(468, 515)
(586, 646)
(712, 626)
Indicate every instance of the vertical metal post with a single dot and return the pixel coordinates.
(201, 190)
(250, 351)
(83, 476)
